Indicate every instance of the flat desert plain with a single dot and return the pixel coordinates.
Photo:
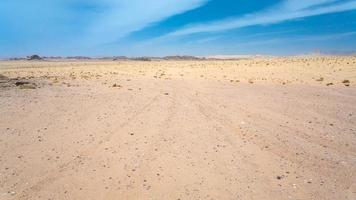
(261, 128)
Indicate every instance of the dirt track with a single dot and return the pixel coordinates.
(178, 132)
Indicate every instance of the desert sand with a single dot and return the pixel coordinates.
(259, 128)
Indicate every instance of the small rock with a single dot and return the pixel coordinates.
(320, 79)
(116, 85)
(346, 83)
(19, 83)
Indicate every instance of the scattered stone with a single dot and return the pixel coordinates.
(19, 83)
(346, 83)
(320, 79)
(12, 193)
(116, 85)
(27, 86)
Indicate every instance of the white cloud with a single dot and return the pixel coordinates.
(127, 16)
(298, 39)
(94, 21)
(287, 10)
(294, 5)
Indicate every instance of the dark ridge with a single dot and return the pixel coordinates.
(142, 58)
(119, 58)
(79, 57)
(182, 58)
(34, 57)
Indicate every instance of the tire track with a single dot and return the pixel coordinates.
(54, 174)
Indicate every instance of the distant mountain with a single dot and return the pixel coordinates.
(231, 57)
(182, 58)
(79, 57)
(119, 58)
(34, 57)
(53, 57)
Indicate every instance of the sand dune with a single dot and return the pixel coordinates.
(262, 128)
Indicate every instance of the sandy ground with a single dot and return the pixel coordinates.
(281, 128)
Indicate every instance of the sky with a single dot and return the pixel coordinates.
(176, 27)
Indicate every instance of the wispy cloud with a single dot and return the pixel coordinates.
(287, 10)
(127, 16)
(299, 38)
(86, 23)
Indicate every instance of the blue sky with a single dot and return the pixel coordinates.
(172, 27)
